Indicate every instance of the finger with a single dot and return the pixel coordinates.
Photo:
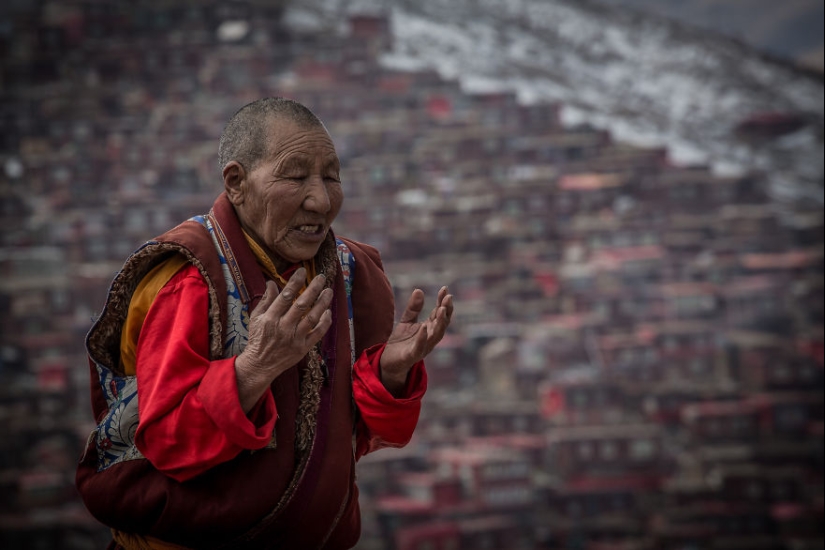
(441, 295)
(305, 302)
(313, 317)
(321, 328)
(414, 306)
(437, 329)
(448, 306)
(269, 296)
(290, 292)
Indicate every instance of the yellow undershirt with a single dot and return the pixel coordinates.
(142, 299)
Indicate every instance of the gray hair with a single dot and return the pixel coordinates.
(244, 139)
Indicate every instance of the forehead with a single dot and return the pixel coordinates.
(290, 140)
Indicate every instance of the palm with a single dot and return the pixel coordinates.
(404, 340)
(411, 340)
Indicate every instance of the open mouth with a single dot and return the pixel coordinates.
(310, 230)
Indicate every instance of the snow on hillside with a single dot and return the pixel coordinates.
(649, 81)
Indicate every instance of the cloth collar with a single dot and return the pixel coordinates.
(269, 268)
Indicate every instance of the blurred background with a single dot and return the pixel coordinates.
(625, 197)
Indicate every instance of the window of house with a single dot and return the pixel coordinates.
(609, 451)
(580, 399)
(790, 418)
(537, 204)
(781, 490)
(421, 493)
(742, 425)
(122, 248)
(807, 373)
(697, 366)
(494, 425)
(623, 238)
(60, 299)
(591, 505)
(377, 174)
(627, 306)
(620, 502)
(767, 305)
(33, 325)
(513, 207)
(134, 220)
(642, 449)
(627, 356)
(645, 373)
(714, 427)
(585, 450)
(574, 508)
(782, 373)
(466, 474)
(754, 490)
(733, 526)
(96, 249)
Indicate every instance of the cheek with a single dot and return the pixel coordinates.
(336, 198)
(281, 210)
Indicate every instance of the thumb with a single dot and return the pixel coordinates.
(414, 306)
(421, 339)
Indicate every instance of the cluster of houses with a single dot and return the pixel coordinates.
(636, 358)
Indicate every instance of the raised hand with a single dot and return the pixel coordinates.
(412, 340)
(282, 329)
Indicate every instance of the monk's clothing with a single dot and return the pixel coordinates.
(188, 466)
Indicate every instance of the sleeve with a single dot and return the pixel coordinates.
(373, 301)
(383, 420)
(190, 415)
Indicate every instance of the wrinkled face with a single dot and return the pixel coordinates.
(288, 202)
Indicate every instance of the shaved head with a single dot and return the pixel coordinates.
(245, 137)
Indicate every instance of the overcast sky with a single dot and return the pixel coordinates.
(791, 28)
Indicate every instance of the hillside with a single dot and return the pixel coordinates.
(649, 81)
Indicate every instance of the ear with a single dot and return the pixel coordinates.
(234, 177)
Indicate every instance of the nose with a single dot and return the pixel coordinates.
(317, 197)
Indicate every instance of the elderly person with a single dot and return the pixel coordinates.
(263, 352)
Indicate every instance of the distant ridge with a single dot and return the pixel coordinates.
(791, 30)
(651, 81)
